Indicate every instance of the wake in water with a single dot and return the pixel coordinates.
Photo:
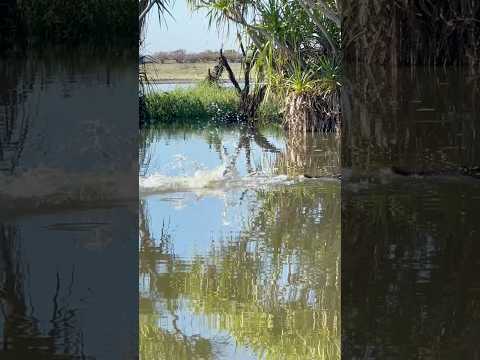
(221, 178)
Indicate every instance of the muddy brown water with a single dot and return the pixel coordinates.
(410, 244)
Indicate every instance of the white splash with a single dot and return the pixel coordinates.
(159, 183)
(215, 180)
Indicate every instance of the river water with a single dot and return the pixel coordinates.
(239, 252)
(410, 205)
(68, 205)
(238, 231)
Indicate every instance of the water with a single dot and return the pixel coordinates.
(68, 206)
(239, 252)
(410, 287)
(169, 86)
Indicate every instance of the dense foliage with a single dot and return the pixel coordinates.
(295, 48)
(73, 22)
(290, 40)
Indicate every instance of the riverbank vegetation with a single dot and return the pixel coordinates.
(196, 102)
(201, 101)
(68, 23)
(290, 51)
(293, 49)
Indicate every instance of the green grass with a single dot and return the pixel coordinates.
(202, 102)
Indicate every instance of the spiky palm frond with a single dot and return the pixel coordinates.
(146, 6)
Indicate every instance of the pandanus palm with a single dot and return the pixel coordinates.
(295, 40)
(291, 31)
(146, 6)
(278, 34)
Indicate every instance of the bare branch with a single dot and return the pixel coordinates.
(231, 75)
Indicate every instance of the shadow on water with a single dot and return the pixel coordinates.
(68, 209)
(256, 278)
(410, 203)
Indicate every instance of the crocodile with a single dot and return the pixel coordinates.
(471, 171)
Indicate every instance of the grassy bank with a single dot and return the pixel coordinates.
(176, 72)
(201, 102)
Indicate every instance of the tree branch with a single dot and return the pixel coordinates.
(231, 75)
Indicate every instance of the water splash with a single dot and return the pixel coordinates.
(221, 179)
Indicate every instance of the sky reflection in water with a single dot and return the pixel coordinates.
(238, 272)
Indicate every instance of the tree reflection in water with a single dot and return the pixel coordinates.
(157, 343)
(23, 336)
(409, 243)
(54, 141)
(274, 286)
(14, 119)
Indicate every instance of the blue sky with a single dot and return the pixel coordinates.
(186, 30)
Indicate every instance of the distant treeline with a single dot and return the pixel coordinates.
(182, 56)
(70, 22)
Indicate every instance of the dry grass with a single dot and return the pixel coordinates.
(186, 72)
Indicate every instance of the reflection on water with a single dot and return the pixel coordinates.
(415, 119)
(58, 140)
(67, 229)
(56, 289)
(244, 265)
(410, 236)
(22, 332)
